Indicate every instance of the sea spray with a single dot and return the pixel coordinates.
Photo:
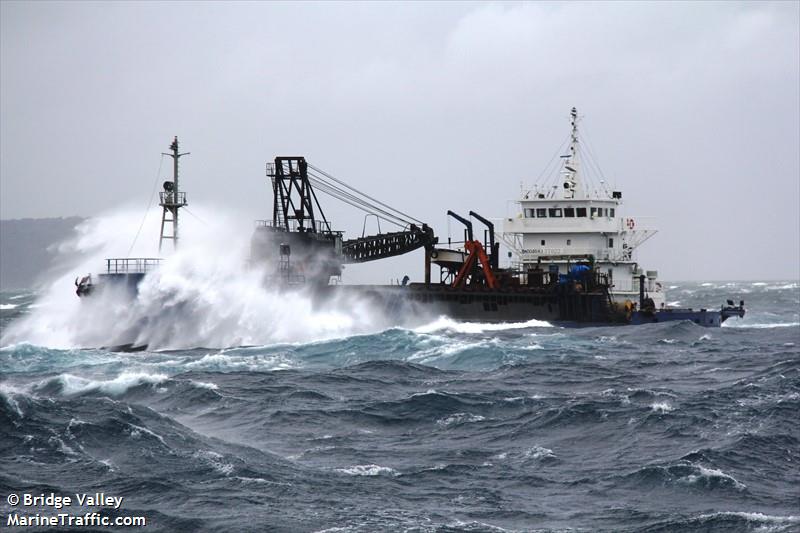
(204, 294)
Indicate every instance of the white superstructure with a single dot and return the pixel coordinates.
(569, 217)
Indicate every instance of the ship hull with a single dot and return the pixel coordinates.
(483, 305)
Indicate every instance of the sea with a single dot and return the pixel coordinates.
(439, 426)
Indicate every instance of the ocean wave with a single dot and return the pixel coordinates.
(689, 474)
(71, 385)
(228, 362)
(204, 385)
(7, 307)
(216, 461)
(744, 325)
(369, 470)
(9, 393)
(460, 418)
(137, 432)
(739, 521)
(538, 453)
(661, 407)
(784, 287)
(709, 476)
(448, 324)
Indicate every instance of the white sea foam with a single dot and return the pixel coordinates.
(447, 349)
(6, 307)
(426, 393)
(227, 362)
(445, 323)
(72, 385)
(204, 385)
(661, 407)
(460, 418)
(705, 475)
(369, 470)
(136, 432)
(729, 324)
(783, 287)
(62, 446)
(538, 453)
(215, 461)
(752, 517)
(476, 526)
(8, 393)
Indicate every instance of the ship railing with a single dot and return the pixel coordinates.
(323, 226)
(131, 265)
(172, 199)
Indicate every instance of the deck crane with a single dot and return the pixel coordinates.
(309, 249)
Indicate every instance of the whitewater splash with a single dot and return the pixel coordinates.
(448, 324)
(202, 295)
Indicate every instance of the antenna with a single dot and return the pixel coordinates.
(172, 199)
(570, 170)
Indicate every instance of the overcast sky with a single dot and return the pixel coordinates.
(691, 110)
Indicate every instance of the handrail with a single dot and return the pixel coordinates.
(131, 265)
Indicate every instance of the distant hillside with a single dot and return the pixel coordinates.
(24, 244)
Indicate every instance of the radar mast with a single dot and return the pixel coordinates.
(570, 170)
(172, 199)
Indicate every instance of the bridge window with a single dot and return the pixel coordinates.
(581, 212)
(529, 213)
(569, 212)
(569, 242)
(555, 212)
(612, 212)
(541, 213)
(610, 242)
(542, 242)
(594, 212)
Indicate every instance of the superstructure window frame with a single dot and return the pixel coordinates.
(569, 212)
(529, 212)
(541, 212)
(554, 212)
(580, 212)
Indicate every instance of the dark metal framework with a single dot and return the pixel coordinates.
(172, 199)
(384, 245)
(294, 198)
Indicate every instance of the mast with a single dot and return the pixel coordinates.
(172, 199)
(570, 171)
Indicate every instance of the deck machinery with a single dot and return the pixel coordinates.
(309, 251)
(299, 247)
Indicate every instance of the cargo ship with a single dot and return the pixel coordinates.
(582, 272)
